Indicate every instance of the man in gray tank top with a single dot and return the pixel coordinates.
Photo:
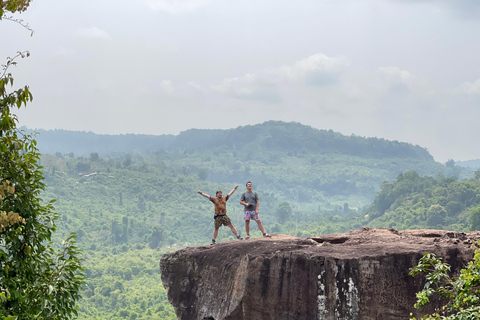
(250, 200)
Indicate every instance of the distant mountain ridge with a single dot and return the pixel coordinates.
(83, 143)
(473, 164)
(271, 135)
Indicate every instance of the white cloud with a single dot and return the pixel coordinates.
(176, 6)
(468, 88)
(396, 82)
(94, 33)
(394, 74)
(167, 86)
(242, 85)
(250, 87)
(316, 70)
(316, 64)
(196, 86)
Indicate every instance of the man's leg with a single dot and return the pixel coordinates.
(234, 230)
(260, 226)
(247, 228)
(215, 233)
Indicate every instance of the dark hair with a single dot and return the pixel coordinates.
(218, 192)
(248, 183)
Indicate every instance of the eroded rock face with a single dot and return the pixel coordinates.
(358, 275)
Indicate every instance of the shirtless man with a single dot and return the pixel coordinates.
(220, 216)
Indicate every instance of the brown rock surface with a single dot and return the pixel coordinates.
(362, 274)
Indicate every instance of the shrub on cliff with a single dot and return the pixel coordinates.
(462, 294)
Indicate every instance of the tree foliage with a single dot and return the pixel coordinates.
(475, 218)
(150, 206)
(37, 281)
(284, 212)
(476, 174)
(13, 6)
(461, 294)
(412, 201)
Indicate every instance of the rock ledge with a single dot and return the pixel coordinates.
(362, 274)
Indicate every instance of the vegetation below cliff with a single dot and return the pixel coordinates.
(130, 208)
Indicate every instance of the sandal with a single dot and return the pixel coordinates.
(266, 235)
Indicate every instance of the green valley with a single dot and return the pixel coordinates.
(129, 208)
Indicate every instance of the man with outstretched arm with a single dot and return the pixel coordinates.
(250, 200)
(220, 216)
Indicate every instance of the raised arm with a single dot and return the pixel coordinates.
(203, 194)
(233, 190)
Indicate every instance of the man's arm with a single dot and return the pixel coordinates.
(242, 200)
(233, 190)
(203, 194)
(256, 208)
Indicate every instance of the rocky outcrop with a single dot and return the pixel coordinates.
(357, 275)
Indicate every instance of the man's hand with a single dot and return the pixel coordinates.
(199, 192)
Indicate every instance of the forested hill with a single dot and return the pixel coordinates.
(272, 136)
(83, 143)
(412, 201)
(297, 138)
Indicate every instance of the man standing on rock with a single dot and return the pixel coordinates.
(220, 216)
(249, 199)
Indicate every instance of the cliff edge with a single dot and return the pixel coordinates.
(362, 274)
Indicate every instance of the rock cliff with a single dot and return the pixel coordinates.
(362, 274)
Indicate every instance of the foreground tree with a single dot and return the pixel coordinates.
(13, 6)
(38, 280)
(461, 295)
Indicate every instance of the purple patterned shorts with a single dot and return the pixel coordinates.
(250, 215)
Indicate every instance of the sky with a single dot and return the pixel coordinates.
(405, 70)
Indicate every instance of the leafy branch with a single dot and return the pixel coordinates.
(11, 62)
(15, 98)
(20, 22)
(462, 294)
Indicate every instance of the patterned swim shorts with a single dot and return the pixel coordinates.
(222, 220)
(247, 215)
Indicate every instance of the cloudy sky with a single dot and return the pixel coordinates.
(406, 70)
